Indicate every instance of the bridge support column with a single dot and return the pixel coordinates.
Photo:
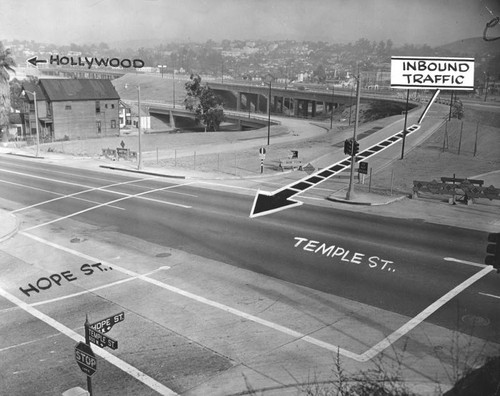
(172, 119)
(305, 108)
(295, 105)
(313, 108)
(238, 101)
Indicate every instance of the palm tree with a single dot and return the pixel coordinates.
(6, 63)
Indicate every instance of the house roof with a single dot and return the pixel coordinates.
(78, 89)
(30, 87)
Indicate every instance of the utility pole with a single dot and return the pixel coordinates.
(333, 105)
(139, 159)
(404, 129)
(350, 191)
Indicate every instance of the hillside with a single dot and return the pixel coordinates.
(473, 47)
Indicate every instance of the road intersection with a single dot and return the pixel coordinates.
(219, 301)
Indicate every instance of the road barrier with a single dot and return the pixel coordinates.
(465, 190)
(120, 152)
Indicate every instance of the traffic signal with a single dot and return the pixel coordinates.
(493, 250)
(348, 146)
(356, 147)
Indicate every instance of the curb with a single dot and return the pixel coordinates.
(26, 155)
(364, 203)
(191, 177)
(141, 172)
(12, 231)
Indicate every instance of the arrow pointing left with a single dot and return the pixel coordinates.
(35, 61)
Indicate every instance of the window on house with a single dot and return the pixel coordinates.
(97, 106)
(98, 126)
(113, 124)
(67, 107)
(112, 106)
(106, 106)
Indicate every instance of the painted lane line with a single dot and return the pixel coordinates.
(464, 262)
(366, 356)
(87, 188)
(103, 188)
(51, 192)
(410, 325)
(489, 295)
(122, 365)
(57, 299)
(108, 203)
(29, 342)
(52, 171)
(297, 335)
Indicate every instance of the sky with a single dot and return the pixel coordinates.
(432, 22)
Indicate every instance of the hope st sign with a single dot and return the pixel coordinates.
(432, 73)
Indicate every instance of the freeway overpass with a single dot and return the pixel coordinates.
(253, 97)
(291, 101)
(172, 116)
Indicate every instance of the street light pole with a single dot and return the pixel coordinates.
(269, 114)
(333, 106)
(404, 129)
(174, 86)
(139, 154)
(36, 124)
(350, 191)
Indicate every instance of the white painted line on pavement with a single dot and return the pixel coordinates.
(489, 295)
(104, 189)
(87, 188)
(122, 365)
(364, 357)
(96, 288)
(203, 300)
(52, 171)
(225, 185)
(127, 196)
(28, 342)
(464, 262)
(50, 192)
(414, 322)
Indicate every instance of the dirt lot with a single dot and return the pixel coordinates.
(465, 148)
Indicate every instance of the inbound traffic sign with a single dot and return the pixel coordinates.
(432, 73)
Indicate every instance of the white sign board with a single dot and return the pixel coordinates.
(432, 73)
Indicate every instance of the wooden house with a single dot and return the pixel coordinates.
(69, 109)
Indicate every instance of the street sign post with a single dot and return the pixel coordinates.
(262, 156)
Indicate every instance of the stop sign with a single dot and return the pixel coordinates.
(85, 358)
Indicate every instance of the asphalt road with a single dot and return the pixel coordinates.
(397, 265)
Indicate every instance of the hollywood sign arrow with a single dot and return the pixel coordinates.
(35, 61)
(269, 202)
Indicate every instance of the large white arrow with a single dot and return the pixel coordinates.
(270, 202)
